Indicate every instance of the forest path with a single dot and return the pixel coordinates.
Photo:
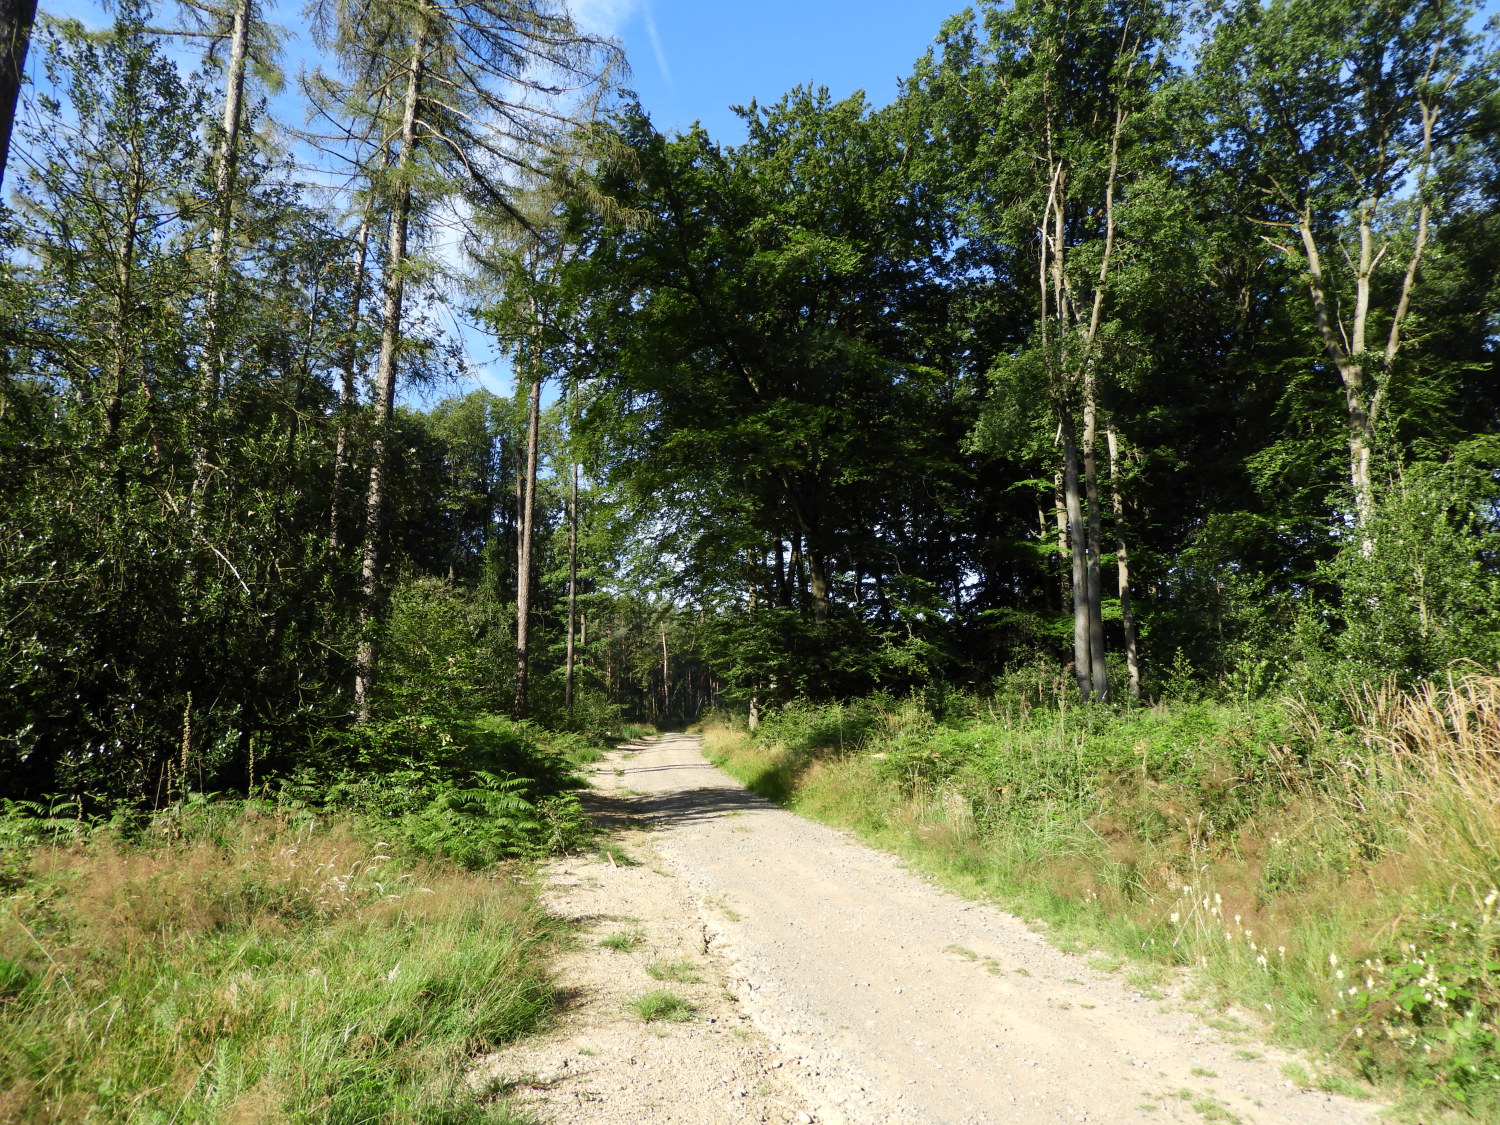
(874, 996)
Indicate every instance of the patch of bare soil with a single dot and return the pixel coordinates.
(836, 986)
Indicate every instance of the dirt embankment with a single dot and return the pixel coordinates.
(832, 985)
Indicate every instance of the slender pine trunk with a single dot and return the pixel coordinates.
(348, 388)
(1077, 542)
(1122, 556)
(523, 552)
(1098, 670)
(226, 169)
(385, 387)
(572, 585)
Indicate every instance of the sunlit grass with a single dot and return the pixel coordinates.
(252, 967)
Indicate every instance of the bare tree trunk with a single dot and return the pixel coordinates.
(385, 390)
(817, 581)
(572, 585)
(666, 687)
(16, 18)
(1077, 539)
(225, 174)
(1059, 508)
(523, 552)
(1098, 669)
(1122, 556)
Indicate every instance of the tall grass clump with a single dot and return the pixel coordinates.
(1340, 873)
(244, 962)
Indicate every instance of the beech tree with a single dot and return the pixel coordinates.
(1351, 124)
(1042, 108)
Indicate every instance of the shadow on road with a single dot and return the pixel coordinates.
(682, 806)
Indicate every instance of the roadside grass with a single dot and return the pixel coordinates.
(682, 972)
(661, 1006)
(623, 941)
(240, 962)
(1343, 880)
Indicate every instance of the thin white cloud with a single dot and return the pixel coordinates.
(656, 47)
(603, 17)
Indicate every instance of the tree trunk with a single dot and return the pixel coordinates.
(16, 18)
(1059, 508)
(226, 168)
(1097, 667)
(523, 552)
(1122, 557)
(1077, 540)
(783, 588)
(817, 582)
(385, 389)
(666, 688)
(572, 585)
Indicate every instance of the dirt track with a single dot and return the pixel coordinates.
(856, 991)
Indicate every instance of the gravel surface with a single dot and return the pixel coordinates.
(836, 986)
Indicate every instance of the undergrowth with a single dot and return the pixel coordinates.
(1341, 877)
(252, 962)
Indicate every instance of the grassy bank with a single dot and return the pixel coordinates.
(1339, 878)
(248, 962)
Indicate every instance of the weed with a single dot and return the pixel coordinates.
(1203, 1072)
(662, 1006)
(617, 856)
(1214, 1110)
(967, 954)
(682, 972)
(623, 941)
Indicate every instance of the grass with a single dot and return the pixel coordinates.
(682, 972)
(244, 963)
(624, 941)
(661, 1006)
(1341, 877)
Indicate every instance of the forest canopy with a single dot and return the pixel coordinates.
(1154, 345)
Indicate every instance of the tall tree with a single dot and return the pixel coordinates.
(1349, 123)
(1043, 109)
(487, 87)
(16, 19)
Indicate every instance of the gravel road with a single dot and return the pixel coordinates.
(867, 995)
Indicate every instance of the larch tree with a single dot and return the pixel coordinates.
(477, 92)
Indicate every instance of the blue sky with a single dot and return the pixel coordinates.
(691, 60)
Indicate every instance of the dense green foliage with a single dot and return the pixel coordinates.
(865, 402)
